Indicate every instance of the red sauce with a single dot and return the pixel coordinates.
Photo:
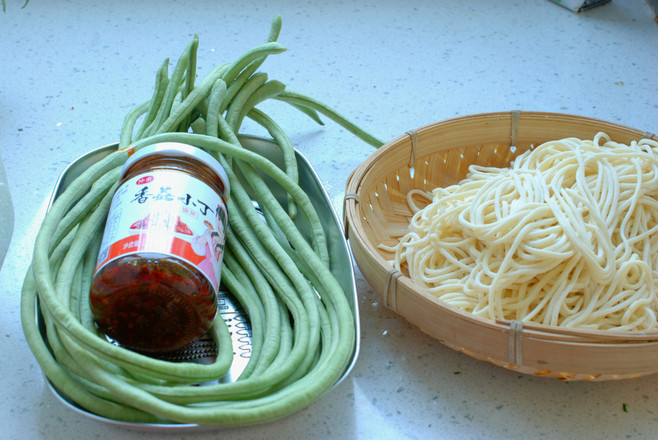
(152, 303)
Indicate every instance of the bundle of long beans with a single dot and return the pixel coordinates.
(302, 324)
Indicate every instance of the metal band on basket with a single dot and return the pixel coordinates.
(390, 297)
(413, 134)
(353, 196)
(515, 346)
(516, 118)
(348, 196)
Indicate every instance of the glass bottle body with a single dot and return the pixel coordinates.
(158, 270)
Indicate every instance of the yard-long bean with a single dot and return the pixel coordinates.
(303, 325)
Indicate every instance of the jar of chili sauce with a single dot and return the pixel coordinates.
(158, 270)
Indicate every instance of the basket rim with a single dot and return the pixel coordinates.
(353, 228)
(360, 172)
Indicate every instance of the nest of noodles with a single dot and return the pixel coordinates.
(376, 212)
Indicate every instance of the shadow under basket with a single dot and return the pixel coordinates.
(376, 212)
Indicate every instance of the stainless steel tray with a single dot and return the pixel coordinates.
(229, 309)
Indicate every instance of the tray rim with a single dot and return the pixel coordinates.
(335, 222)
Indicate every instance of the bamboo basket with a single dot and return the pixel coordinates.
(439, 154)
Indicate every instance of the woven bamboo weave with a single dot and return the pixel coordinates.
(376, 212)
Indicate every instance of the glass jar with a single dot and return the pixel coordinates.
(158, 270)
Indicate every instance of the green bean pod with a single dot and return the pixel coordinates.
(303, 330)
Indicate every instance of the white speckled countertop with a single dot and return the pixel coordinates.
(71, 69)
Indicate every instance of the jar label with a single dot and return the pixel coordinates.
(167, 212)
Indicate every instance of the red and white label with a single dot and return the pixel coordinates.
(167, 212)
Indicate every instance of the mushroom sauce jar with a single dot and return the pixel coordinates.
(158, 270)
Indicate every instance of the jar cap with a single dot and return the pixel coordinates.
(178, 149)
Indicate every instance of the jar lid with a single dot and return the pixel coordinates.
(178, 149)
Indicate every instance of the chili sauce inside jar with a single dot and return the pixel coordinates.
(158, 270)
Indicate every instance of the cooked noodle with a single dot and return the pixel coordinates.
(566, 236)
